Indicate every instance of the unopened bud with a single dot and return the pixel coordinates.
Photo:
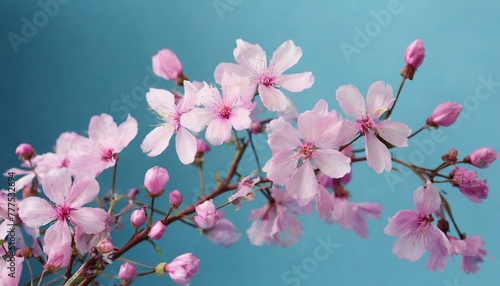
(25, 151)
(450, 157)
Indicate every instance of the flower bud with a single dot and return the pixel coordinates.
(414, 57)
(482, 157)
(155, 180)
(105, 246)
(157, 230)
(138, 218)
(25, 151)
(183, 268)
(206, 215)
(167, 65)
(469, 184)
(445, 114)
(450, 157)
(175, 199)
(256, 127)
(127, 273)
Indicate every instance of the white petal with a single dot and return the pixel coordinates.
(36, 212)
(379, 99)
(286, 56)
(185, 145)
(157, 140)
(377, 154)
(395, 133)
(92, 220)
(351, 101)
(272, 98)
(296, 82)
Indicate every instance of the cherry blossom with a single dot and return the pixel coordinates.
(252, 64)
(378, 101)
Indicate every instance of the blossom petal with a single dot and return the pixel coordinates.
(251, 56)
(272, 98)
(395, 133)
(82, 192)
(100, 128)
(325, 205)
(161, 101)
(410, 247)
(427, 199)
(126, 132)
(218, 131)
(197, 119)
(302, 184)
(240, 118)
(377, 154)
(56, 184)
(296, 82)
(281, 166)
(439, 246)
(402, 223)
(58, 244)
(332, 163)
(285, 56)
(351, 101)
(36, 212)
(157, 140)
(379, 99)
(185, 145)
(232, 68)
(91, 220)
(283, 136)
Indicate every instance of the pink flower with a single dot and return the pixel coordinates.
(206, 215)
(445, 114)
(252, 64)
(223, 232)
(473, 254)
(138, 218)
(275, 223)
(68, 200)
(183, 268)
(415, 229)
(297, 154)
(244, 191)
(157, 230)
(469, 184)
(106, 139)
(175, 199)
(167, 65)
(414, 57)
(25, 151)
(127, 272)
(378, 101)
(482, 157)
(155, 180)
(222, 113)
(164, 104)
(106, 246)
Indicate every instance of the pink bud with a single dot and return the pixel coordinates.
(445, 114)
(256, 127)
(175, 199)
(105, 246)
(127, 273)
(157, 230)
(183, 268)
(25, 151)
(469, 184)
(482, 157)
(167, 65)
(415, 54)
(202, 146)
(206, 215)
(414, 57)
(138, 218)
(155, 180)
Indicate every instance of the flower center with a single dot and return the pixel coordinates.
(224, 112)
(266, 80)
(365, 125)
(62, 212)
(107, 154)
(307, 150)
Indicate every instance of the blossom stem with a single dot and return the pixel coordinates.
(147, 273)
(259, 169)
(450, 214)
(202, 183)
(221, 188)
(346, 145)
(397, 97)
(419, 130)
(415, 169)
(150, 218)
(223, 205)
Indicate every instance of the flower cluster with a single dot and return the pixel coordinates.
(308, 171)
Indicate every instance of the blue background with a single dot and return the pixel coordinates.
(84, 58)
